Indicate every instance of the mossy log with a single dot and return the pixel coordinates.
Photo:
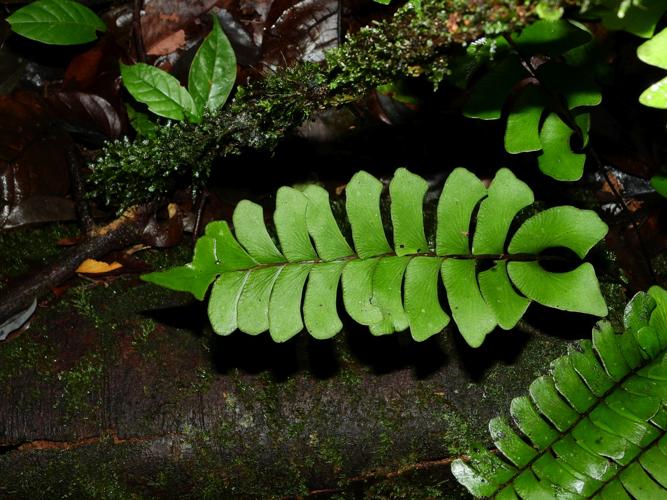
(121, 391)
(423, 38)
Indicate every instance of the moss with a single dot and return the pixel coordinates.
(27, 248)
(82, 388)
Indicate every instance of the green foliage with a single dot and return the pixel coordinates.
(259, 286)
(160, 91)
(213, 71)
(659, 183)
(57, 22)
(548, 102)
(638, 17)
(210, 81)
(654, 52)
(595, 427)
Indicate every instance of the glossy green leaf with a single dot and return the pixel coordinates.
(596, 426)
(160, 91)
(281, 287)
(57, 22)
(213, 71)
(557, 159)
(523, 123)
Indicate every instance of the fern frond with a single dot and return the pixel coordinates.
(259, 286)
(595, 427)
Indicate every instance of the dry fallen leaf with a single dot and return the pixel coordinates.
(92, 266)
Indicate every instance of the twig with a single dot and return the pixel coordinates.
(122, 232)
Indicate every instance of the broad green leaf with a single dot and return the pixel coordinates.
(213, 71)
(654, 51)
(182, 279)
(57, 22)
(571, 386)
(656, 95)
(523, 123)
(489, 94)
(160, 91)
(551, 38)
(531, 423)
(407, 192)
(557, 159)
(228, 253)
(509, 443)
(363, 209)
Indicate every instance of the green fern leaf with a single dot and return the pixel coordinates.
(595, 427)
(390, 287)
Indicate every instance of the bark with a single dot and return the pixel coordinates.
(120, 390)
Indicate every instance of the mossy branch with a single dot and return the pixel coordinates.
(413, 42)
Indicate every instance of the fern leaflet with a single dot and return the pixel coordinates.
(260, 287)
(596, 427)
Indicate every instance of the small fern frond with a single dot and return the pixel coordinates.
(595, 427)
(259, 286)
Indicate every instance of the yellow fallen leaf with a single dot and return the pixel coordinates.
(92, 266)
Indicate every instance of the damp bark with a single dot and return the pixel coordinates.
(123, 390)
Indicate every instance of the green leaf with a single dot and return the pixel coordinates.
(557, 159)
(489, 94)
(57, 22)
(213, 71)
(260, 287)
(656, 95)
(160, 91)
(141, 123)
(640, 18)
(654, 51)
(596, 426)
(523, 123)
(551, 38)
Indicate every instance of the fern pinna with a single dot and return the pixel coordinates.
(596, 426)
(260, 287)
